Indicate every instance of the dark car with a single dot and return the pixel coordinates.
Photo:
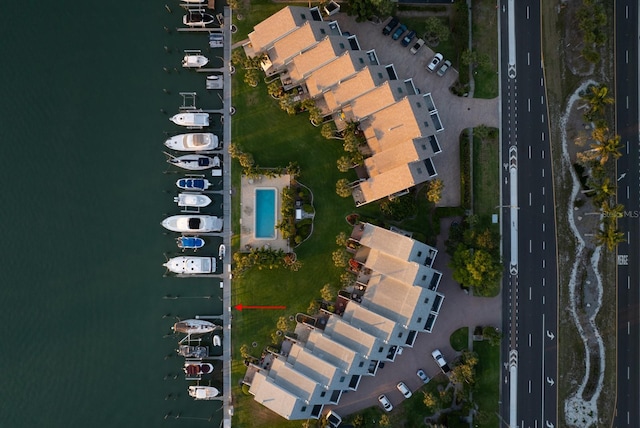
(407, 39)
(401, 29)
(390, 26)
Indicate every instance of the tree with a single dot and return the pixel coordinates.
(350, 143)
(357, 158)
(430, 401)
(473, 58)
(251, 77)
(343, 189)
(385, 421)
(244, 351)
(609, 236)
(328, 131)
(293, 169)
(364, 9)
(464, 371)
(275, 89)
(288, 104)
(341, 239)
(282, 324)
(328, 293)
(246, 160)
(347, 279)
(344, 163)
(492, 335)
(434, 190)
(475, 267)
(603, 189)
(340, 258)
(436, 31)
(313, 308)
(612, 211)
(597, 98)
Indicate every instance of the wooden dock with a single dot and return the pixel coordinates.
(199, 29)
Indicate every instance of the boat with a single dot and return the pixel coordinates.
(221, 251)
(195, 200)
(194, 61)
(191, 120)
(193, 223)
(195, 162)
(189, 242)
(197, 19)
(216, 40)
(203, 392)
(196, 368)
(195, 142)
(194, 327)
(189, 351)
(188, 183)
(191, 265)
(217, 341)
(215, 81)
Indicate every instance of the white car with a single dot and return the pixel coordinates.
(416, 47)
(423, 376)
(444, 68)
(442, 363)
(435, 62)
(404, 390)
(386, 404)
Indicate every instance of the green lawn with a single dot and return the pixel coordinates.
(486, 393)
(460, 339)
(485, 41)
(486, 176)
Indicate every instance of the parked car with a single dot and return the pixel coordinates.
(407, 39)
(390, 26)
(415, 48)
(423, 376)
(404, 390)
(435, 62)
(444, 68)
(437, 355)
(399, 32)
(333, 419)
(386, 404)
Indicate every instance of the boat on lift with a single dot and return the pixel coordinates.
(193, 223)
(192, 200)
(191, 265)
(189, 351)
(194, 61)
(217, 341)
(203, 392)
(191, 120)
(191, 183)
(197, 19)
(189, 242)
(195, 162)
(221, 250)
(193, 326)
(197, 368)
(214, 81)
(194, 142)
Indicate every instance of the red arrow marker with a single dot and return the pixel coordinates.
(241, 307)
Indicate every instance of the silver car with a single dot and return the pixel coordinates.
(386, 404)
(444, 68)
(435, 62)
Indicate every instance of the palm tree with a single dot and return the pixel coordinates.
(606, 146)
(603, 189)
(612, 211)
(610, 236)
(597, 97)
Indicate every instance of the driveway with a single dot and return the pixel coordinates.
(456, 113)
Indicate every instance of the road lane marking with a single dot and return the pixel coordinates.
(628, 237)
(628, 283)
(529, 245)
(542, 173)
(627, 56)
(628, 372)
(627, 102)
(542, 99)
(543, 281)
(543, 154)
(544, 263)
(543, 209)
(529, 387)
(529, 152)
(627, 146)
(543, 300)
(626, 12)
(529, 198)
(543, 227)
(627, 192)
(529, 299)
(541, 82)
(543, 191)
(529, 340)
(543, 136)
(544, 245)
(542, 115)
(529, 105)
(527, 12)
(628, 328)
(528, 59)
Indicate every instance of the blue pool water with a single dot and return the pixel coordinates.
(265, 213)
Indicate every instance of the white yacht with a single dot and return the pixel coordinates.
(203, 392)
(194, 61)
(194, 142)
(191, 265)
(194, 327)
(193, 223)
(192, 200)
(195, 162)
(191, 120)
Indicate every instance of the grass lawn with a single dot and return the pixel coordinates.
(485, 41)
(486, 393)
(460, 339)
(486, 176)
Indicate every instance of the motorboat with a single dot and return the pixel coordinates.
(194, 61)
(191, 120)
(221, 251)
(197, 368)
(203, 392)
(189, 242)
(195, 142)
(194, 327)
(215, 81)
(216, 40)
(197, 19)
(193, 223)
(189, 351)
(193, 200)
(195, 162)
(188, 183)
(217, 341)
(191, 265)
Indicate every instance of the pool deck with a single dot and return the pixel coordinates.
(247, 214)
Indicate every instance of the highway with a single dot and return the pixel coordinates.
(626, 94)
(529, 393)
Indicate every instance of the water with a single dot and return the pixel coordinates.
(85, 100)
(265, 213)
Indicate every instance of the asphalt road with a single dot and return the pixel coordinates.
(530, 305)
(626, 88)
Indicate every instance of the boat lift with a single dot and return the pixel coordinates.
(188, 98)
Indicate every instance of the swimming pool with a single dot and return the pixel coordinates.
(265, 209)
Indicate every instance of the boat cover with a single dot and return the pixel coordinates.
(190, 242)
(194, 223)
